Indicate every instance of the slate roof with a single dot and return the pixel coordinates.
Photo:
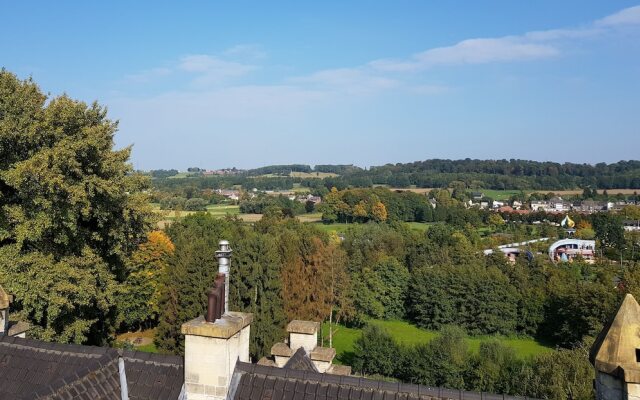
(300, 361)
(259, 382)
(32, 369)
(153, 376)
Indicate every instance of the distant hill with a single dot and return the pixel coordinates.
(437, 173)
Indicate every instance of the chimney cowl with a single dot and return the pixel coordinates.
(224, 260)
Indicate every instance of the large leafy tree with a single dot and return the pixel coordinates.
(71, 211)
(139, 295)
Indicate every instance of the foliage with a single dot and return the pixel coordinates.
(376, 352)
(441, 362)
(475, 297)
(190, 272)
(608, 229)
(71, 206)
(139, 295)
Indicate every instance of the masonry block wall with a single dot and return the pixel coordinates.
(211, 353)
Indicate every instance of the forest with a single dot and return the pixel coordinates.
(474, 174)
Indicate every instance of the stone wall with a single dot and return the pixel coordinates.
(297, 340)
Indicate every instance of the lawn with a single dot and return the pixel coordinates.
(408, 334)
(499, 195)
(221, 210)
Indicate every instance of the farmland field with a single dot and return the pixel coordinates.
(304, 175)
(404, 333)
(319, 175)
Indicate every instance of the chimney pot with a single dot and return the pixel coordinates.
(224, 259)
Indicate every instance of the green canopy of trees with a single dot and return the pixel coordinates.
(71, 212)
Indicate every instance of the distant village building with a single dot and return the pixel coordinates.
(631, 225)
(566, 250)
(311, 198)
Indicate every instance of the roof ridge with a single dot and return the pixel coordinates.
(364, 383)
(57, 348)
(168, 360)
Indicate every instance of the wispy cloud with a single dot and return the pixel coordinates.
(231, 67)
(628, 16)
(211, 69)
(529, 46)
(470, 51)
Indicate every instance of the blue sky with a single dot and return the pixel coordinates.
(247, 84)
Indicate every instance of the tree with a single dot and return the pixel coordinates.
(559, 375)
(305, 279)
(375, 352)
(495, 220)
(139, 296)
(379, 212)
(440, 362)
(495, 369)
(380, 292)
(608, 229)
(191, 271)
(477, 298)
(66, 197)
(256, 288)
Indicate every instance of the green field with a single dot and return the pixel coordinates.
(221, 210)
(499, 195)
(407, 334)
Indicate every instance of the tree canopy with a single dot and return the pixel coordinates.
(72, 211)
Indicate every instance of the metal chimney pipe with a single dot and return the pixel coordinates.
(224, 259)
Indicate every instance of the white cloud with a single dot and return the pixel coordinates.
(628, 16)
(471, 51)
(529, 46)
(212, 69)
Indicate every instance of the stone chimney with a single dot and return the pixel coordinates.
(303, 334)
(214, 344)
(616, 355)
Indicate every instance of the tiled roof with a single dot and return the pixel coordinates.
(153, 376)
(32, 369)
(300, 361)
(259, 382)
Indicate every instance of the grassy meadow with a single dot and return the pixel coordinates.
(407, 334)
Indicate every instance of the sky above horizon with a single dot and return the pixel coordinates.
(247, 84)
